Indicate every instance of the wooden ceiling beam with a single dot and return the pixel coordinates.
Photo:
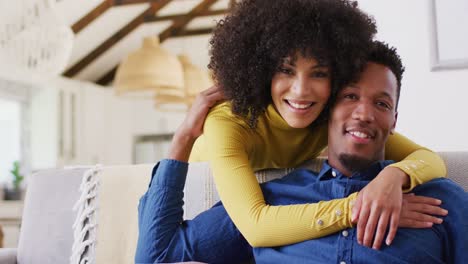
(177, 26)
(106, 45)
(180, 23)
(91, 16)
(178, 16)
(108, 77)
(194, 32)
(131, 2)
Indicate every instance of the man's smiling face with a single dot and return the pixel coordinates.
(362, 118)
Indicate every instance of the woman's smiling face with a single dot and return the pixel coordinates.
(300, 89)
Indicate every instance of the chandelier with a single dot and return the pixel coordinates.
(34, 41)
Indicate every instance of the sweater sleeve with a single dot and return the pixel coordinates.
(263, 225)
(421, 164)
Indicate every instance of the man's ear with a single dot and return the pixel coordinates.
(394, 124)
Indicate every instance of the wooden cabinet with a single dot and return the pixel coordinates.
(68, 117)
(10, 221)
(78, 123)
(55, 124)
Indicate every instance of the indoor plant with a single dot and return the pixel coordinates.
(14, 192)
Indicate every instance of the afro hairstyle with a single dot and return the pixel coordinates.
(250, 43)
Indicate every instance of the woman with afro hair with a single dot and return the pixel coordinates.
(279, 63)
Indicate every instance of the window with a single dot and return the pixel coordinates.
(10, 136)
(14, 125)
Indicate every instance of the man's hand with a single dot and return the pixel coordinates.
(377, 206)
(420, 211)
(192, 126)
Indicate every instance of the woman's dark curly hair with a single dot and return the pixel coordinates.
(249, 44)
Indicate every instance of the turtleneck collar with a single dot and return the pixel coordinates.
(276, 120)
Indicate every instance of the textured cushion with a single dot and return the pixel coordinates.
(46, 229)
(457, 167)
(200, 191)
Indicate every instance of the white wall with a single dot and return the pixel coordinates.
(432, 109)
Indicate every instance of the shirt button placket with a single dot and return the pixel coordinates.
(345, 246)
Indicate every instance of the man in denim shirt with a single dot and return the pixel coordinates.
(363, 116)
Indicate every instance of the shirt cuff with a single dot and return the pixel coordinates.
(351, 201)
(170, 173)
(413, 168)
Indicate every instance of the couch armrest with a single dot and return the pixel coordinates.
(8, 255)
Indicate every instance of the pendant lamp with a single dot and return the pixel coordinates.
(195, 81)
(150, 71)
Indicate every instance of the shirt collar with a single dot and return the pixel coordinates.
(328, 172)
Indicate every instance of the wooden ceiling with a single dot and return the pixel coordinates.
(176, 29)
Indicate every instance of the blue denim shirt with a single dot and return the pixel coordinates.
(212, 237)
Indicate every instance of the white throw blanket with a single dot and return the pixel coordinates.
(106, 230)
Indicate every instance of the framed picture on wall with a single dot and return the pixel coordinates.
(449, 34)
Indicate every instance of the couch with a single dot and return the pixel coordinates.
(108, 234)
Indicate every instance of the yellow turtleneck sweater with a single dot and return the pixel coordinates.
(235, 151)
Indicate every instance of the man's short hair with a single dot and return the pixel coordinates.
(382, 53)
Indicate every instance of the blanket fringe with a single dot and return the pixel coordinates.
(84, 227)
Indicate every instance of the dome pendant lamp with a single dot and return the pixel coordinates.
(150, 71)
(195, 81)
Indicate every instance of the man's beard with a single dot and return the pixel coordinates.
(354, 163)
